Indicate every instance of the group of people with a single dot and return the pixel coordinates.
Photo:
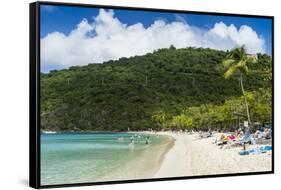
(136, 138)
(243, 137)
(266, 133)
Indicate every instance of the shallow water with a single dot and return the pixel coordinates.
(89, 157)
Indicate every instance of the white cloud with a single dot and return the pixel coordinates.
(106, 38)
(225, 37)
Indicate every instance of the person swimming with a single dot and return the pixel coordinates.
(132, 139)
(147, 140)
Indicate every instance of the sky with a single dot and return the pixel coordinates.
(75, 36)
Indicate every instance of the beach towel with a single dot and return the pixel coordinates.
(267, 148)
(231, 137)
(244, 152)
(257, 150)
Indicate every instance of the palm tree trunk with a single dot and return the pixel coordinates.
(245, 99)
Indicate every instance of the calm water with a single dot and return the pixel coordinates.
(87, 157)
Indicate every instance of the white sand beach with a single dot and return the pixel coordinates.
(191, 156)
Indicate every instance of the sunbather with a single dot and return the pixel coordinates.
(267, 133)
(258, 134)
(222, 140)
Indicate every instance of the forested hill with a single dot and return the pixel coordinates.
(126, 93)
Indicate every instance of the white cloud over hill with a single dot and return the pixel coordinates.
(106, 38)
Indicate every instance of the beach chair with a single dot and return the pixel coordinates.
(263, 141)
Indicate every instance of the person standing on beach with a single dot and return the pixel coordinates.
(247, 136)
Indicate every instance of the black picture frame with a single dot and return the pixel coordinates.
(34, 94)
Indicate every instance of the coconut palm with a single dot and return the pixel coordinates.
(236, 63)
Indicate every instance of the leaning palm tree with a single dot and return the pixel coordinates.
(236, 63)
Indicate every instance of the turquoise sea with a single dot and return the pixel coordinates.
(90, 157)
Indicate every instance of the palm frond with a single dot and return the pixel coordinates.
(228, 62)
(237, 59)
(230, 71)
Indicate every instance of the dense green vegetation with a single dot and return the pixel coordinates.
(167, 89)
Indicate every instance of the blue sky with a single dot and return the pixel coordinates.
(64, 19)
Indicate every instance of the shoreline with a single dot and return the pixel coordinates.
(146, 165)
(183, 155)
(191, 156)
(137, 162)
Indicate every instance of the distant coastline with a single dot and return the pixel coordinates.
(48, 132)
(82, 131)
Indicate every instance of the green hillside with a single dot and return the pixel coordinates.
(137, 92)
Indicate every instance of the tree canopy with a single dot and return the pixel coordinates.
(169, 88)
